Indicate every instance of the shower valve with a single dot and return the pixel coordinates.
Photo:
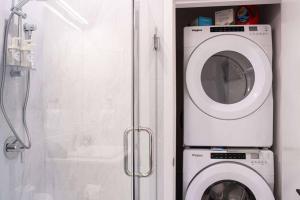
(14, 147)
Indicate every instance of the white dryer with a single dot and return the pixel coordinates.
(228, 97)
(228, 174)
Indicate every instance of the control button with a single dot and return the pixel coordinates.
(254, 155)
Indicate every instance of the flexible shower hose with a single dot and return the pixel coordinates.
(2, 86)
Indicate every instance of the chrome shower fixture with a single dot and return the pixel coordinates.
(28, 29)
(17, 9)
(22, 49)
(20, 4)
(18, 12)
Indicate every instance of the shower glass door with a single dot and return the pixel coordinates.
(93, 103)
(85, 100)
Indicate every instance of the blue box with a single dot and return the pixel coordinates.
(202, 21)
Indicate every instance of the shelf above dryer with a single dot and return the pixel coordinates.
(214, 3)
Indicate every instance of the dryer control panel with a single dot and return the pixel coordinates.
(227, 29)
(248, 28)
(228, 156)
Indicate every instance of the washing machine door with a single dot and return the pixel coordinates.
(228, 77)
(226, 181)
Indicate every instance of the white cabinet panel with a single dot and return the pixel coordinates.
(207, 3)
(289, 100)
(290, 178)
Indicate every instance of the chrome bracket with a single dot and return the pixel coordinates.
(156, 42)
(19, 12)
(15, 73)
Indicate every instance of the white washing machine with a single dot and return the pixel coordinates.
(228, 174)
(228, 97)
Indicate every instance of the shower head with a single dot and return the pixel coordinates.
(20, 4)
(17, 9)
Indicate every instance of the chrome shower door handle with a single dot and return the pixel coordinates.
(125, 141)
(150, 156)
(126, 152)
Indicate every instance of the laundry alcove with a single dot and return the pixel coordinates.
(186, 12)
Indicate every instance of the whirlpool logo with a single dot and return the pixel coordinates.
(197, 30)
(197, 155)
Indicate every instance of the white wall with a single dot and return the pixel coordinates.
(289, 107)
(4, 187)
(12, 171)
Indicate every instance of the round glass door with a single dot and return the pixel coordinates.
(228, 190)
(228, 181)
(227, 77)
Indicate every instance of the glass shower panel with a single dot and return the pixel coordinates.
(148, 34)
(81, 102)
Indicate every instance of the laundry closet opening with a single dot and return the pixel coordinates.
(270, 14)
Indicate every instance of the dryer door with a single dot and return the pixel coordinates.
(226, 181)
(228, 77)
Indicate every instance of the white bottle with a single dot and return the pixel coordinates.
(14, 52)
(27, 54)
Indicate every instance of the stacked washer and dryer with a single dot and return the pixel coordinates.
(228, 113)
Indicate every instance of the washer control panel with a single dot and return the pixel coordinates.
(259, 160)
(252, 157)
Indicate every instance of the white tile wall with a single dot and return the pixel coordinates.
(289, 106)
(9, 170)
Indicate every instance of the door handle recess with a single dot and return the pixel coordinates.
(126, 152)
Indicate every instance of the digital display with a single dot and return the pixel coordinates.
(228, 156)
(253, 28)
(227, 29)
